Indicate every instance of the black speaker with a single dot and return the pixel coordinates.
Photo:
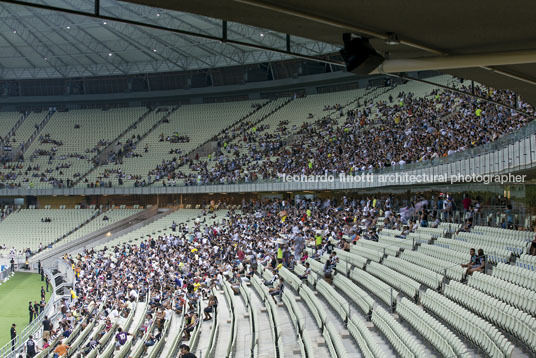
(359, 56)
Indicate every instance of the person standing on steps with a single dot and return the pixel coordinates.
(31, 349)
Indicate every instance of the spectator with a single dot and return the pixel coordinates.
(121, 338)
(306, 273)
(472, 262)
(31, 348)
(185, 352)
(278, 290)
(191, 321)
(211, 307)
(62, 349)
(46, 328)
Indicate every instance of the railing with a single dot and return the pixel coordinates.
(38, 129)
(112, 143)
(15, 346)
(5, 273)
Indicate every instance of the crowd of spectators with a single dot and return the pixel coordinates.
(179, 269)
(47, 139)
(174, 138)
(404, 130)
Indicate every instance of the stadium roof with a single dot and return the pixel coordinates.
(36, 43)
(39, 43)
(424, 28)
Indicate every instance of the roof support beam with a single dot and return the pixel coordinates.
(162, 43)
(368, 32)
(457, 61)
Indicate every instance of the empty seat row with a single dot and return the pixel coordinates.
(515, 274)
(403, 342)
(383, 291)
(378, 246)
(289, 278)
(515, 295)
(394, 241)
(372, 255)
(433, 232)
(481, 332)
(351, 258)
(527, 235)
(337, 302)
(446, 342)
(355, 293)
(420, 274)
(450, 227)
(444, 253)
(509, 318)
(493, 253)
(527, 261)
(516, 245)
(367, 343)
(451, 270)
(420, 237)
(405, 284)
(391, 232)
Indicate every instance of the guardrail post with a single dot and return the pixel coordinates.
(391, 290)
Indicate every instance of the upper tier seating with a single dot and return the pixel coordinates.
(288, 135)
(62, 152)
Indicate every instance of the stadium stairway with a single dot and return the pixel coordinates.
(287, 342)
(16, 126)
(38, 127)
(238, 123)
(216, 345)
(311, 336)
(256, 117)
(102, 155)
(289, 338)
(265, 339)
(174, 333)
(388, 323)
